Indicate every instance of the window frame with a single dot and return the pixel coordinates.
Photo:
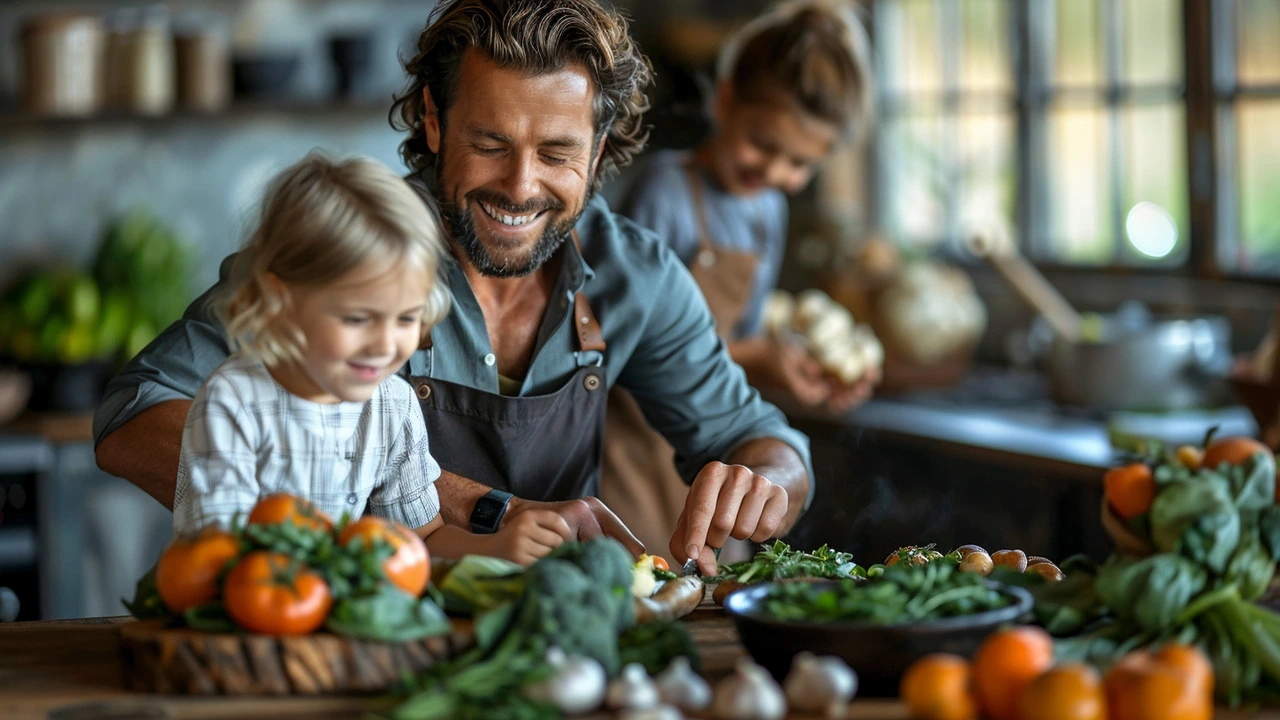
(1208, 94)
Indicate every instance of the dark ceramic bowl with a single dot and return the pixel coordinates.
(879, 653)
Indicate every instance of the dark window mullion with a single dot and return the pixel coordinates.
(1112, 19)
(1198, 26)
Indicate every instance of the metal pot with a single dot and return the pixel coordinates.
(1170, 363)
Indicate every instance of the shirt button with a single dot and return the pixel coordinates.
(490, 359)
(352, 498)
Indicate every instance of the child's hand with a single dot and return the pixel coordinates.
(531, 535)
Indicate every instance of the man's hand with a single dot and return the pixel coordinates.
(726, 501)
(586, 518)
(785, 366)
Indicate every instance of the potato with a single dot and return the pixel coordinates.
(1015, 559)
(1047, 570)
(966, 549)
(977, 562)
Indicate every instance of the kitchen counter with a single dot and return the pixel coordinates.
(71, 669)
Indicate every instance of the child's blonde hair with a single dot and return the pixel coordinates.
(815, 51)
(322, 219)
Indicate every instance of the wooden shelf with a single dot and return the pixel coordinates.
(319, 109)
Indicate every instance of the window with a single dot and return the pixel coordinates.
(1069, 120)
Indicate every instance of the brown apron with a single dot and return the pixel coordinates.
(545, 447)
(639, 480)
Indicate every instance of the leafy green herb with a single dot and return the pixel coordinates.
(210, 618)
(388, 614)
(904, 594)
(660, 574)
(780, 562)
(654, 645)
(146, 602)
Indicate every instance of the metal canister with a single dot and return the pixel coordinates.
(62, 69)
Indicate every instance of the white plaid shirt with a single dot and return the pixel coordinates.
(247, 437)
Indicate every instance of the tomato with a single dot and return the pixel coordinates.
(1191, 661)
(1232, 451)
(660, 563)
(410, 567)
(1067, 692)
(939, 687)
(1005, 665)
(1130, 489)
(271, 593)
(187, 574)
(282, 508)
(1141, 687)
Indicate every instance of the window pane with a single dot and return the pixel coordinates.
(916, 177)
(1152, 41)
(1154, 199)
(984, 54)
(1259, 158)
(1079, 182)
(1259, 57)
(1078, 51)
(909, 45)
(988, 170)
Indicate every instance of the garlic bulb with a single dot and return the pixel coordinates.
(578, 685)
(821, 685)
(679, 685)
(749, 694)
(779, 309)
(657, 712)
(632, 689)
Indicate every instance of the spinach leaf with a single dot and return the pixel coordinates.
(1253, 482)
(146, 602)
(1251, 568)
(1152, 591)
(1199, 519)
(388, 614)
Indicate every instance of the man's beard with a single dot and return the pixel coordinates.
(462, 228)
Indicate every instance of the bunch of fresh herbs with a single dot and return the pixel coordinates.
(780, 562)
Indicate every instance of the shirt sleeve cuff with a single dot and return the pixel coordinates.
(412, 512)
(120, 406)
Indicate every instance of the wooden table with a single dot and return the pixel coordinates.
(70, 670)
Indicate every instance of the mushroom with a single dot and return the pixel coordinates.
(679, 685)
(750, 693)
(632, 689)
(977, 562)
(821, 685)
(577, 686)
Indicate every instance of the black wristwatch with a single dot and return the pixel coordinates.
(489, 511)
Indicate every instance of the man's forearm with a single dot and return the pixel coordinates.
(458, 497)
(779, 463)
(145, 450)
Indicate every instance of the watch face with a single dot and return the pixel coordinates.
(488, 510)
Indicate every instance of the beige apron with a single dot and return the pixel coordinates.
(638, 478)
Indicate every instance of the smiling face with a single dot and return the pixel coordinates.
(515, 158)
(759, 146)
(359, 330)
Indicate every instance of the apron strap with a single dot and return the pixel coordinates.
(699, 208)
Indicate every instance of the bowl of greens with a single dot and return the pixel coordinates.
(878, 626)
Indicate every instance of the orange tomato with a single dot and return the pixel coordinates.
(273, 594)
(1232, 450)
(1190, 457)
(1130, 489)
(187, 574)
(282, 508)
(1005, 664)
(1067, 692)
(1191, 661)
(409, 568)
(939, 687)
(1139, 687)
(660, 563)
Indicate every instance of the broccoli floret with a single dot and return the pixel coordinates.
(574, 611)
(609, 565)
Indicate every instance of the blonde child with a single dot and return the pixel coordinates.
(330, 296)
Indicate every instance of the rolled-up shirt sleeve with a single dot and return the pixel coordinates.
(688, 387)
(171, 367)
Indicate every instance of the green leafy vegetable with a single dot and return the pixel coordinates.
(904, 594)
(146, 602)
(478, 583)
(780, 562)
(210, 618)
(654, 645)
(388, 614)
(1151, 592)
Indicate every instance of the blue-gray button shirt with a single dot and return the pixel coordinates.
(662, 347)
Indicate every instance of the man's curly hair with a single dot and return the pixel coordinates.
(535, 37)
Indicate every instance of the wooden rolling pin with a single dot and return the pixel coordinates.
(999, 250)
